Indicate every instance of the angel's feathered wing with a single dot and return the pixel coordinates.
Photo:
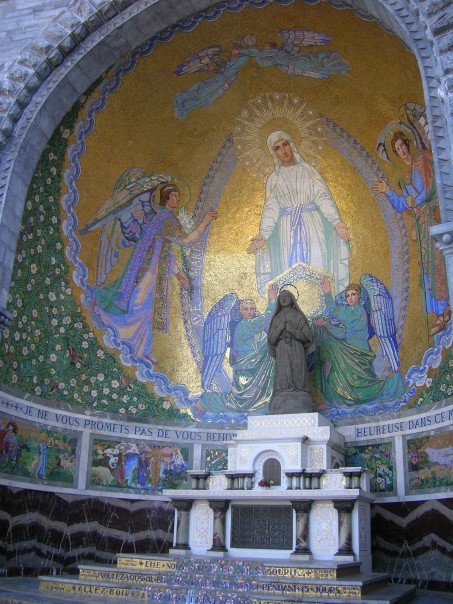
(122, 231)
(199, 61)
(295, 39)
(382, 317)
(216, 338)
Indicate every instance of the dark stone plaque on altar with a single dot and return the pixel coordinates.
(262, 526)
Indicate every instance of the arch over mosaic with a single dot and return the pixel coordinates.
(90, 53)
(141, 277)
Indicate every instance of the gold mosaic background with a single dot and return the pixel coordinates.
(139, 128)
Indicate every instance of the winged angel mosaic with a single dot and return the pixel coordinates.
(289, 56)
(136, 302)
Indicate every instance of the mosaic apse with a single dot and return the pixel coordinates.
(149, 289)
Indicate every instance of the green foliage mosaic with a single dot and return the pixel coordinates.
(48, 349)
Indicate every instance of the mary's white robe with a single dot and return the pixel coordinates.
(298, 221)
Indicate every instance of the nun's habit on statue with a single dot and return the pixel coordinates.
(289, 338)
(299, 218)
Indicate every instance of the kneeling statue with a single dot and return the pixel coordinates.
(289, 338)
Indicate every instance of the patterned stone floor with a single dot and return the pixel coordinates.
(19, 590)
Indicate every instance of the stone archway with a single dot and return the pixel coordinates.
(50, 74)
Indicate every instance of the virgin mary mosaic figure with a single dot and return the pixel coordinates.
(300, 221)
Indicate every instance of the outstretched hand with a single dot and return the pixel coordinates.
(342, 231)
(272, 292)
(325, 284)
(380, 186)
(256, 243)
(209, 217)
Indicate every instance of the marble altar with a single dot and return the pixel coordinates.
(294, 461)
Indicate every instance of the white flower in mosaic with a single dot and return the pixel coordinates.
(39, 248)
(58, 347)
(61, 385)
(449, 391)
(52, 371)
(19, 324)
(83, 377)
(54, 219)
(85, 388)
(52, 260)
(428, 382)
(141, 406)
(37, 332)
(94, 393)
(114, 396)
(33, 268)
(16, 336)
(447, 377)
(84, 344)
(19, 302)
(41, 358)
(36, 197)
(443, 387)
(33, 361)
(52, 156)
(91, 334)
(100, 377)
(24, 350)
(28, 205)
(29, 287)
(78, 325)
(58, 245)
(14, 364)
(62, 329)
(14, 378)
(38, 390)
(31, 251)
(54, 322)
(47, 281)
(65, 133)
(35, 379)
(133, 409)
(115, 383)
(100, 353)
(122, 410)
(105, 390)
(92, 379)
(72, 382)
(53, 357)
(32, 346)
(76, 396)
(166, 405)
(53, 170)
(34, 312)
(19, 272)
(125, 398)
(50, 230)
(52, 297)
(6, 333)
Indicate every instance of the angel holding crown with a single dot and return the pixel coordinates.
(136, 302)
(344, 371)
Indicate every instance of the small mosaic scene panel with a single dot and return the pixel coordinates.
(378, 459)
(430, 463)
(216, 460)
(31, 451)
(129, 465)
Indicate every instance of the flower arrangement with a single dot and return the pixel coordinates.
(265, 483)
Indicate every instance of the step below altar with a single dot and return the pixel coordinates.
(285, 494)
